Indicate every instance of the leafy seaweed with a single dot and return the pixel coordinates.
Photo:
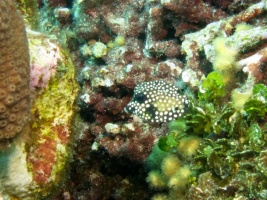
(256, 106)
(177, 131)
(233, 140)
(212, 88)
(254, 137)
(260, 90)
(167, 142)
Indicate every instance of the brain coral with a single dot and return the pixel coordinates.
(14, 71)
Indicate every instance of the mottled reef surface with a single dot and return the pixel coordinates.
(172, 99)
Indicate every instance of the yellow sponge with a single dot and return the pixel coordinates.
(156, 180)
(239, 98)
(120, 40)
(225, 57)
(188, 146)
(242, 27)
(170, 165)
(181, 178)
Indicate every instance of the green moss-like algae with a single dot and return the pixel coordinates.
(29, 8)
(233, 145)
(55, 104)
(213, 87)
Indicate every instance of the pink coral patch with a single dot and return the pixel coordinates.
(44, 62)
(42, 160)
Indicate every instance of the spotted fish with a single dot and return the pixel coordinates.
(157, 101)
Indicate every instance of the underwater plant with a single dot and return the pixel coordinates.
(216, 142)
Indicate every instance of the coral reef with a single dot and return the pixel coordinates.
(213, 52)
(52, 110)
(176, 42)
(202, 40)
(36, 162)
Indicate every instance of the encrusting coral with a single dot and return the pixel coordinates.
(33, 163)
(14, 73)
(52, 110)
(44, 149)
(231, 43)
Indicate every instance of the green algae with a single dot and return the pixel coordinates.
(29, 8)
(166, 143)
(233, 142)
(212, 88)
(256, 106)
(56, 102)
(177, 131)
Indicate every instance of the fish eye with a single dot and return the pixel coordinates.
(140, 97)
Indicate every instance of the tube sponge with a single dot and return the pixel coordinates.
(240, 97)
(188, 146)
(181, 178)
(156, 180)
(14, 72)
(170, 165)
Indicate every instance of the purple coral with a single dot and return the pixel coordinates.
(44, 61)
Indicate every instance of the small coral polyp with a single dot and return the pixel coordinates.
(14, 81)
